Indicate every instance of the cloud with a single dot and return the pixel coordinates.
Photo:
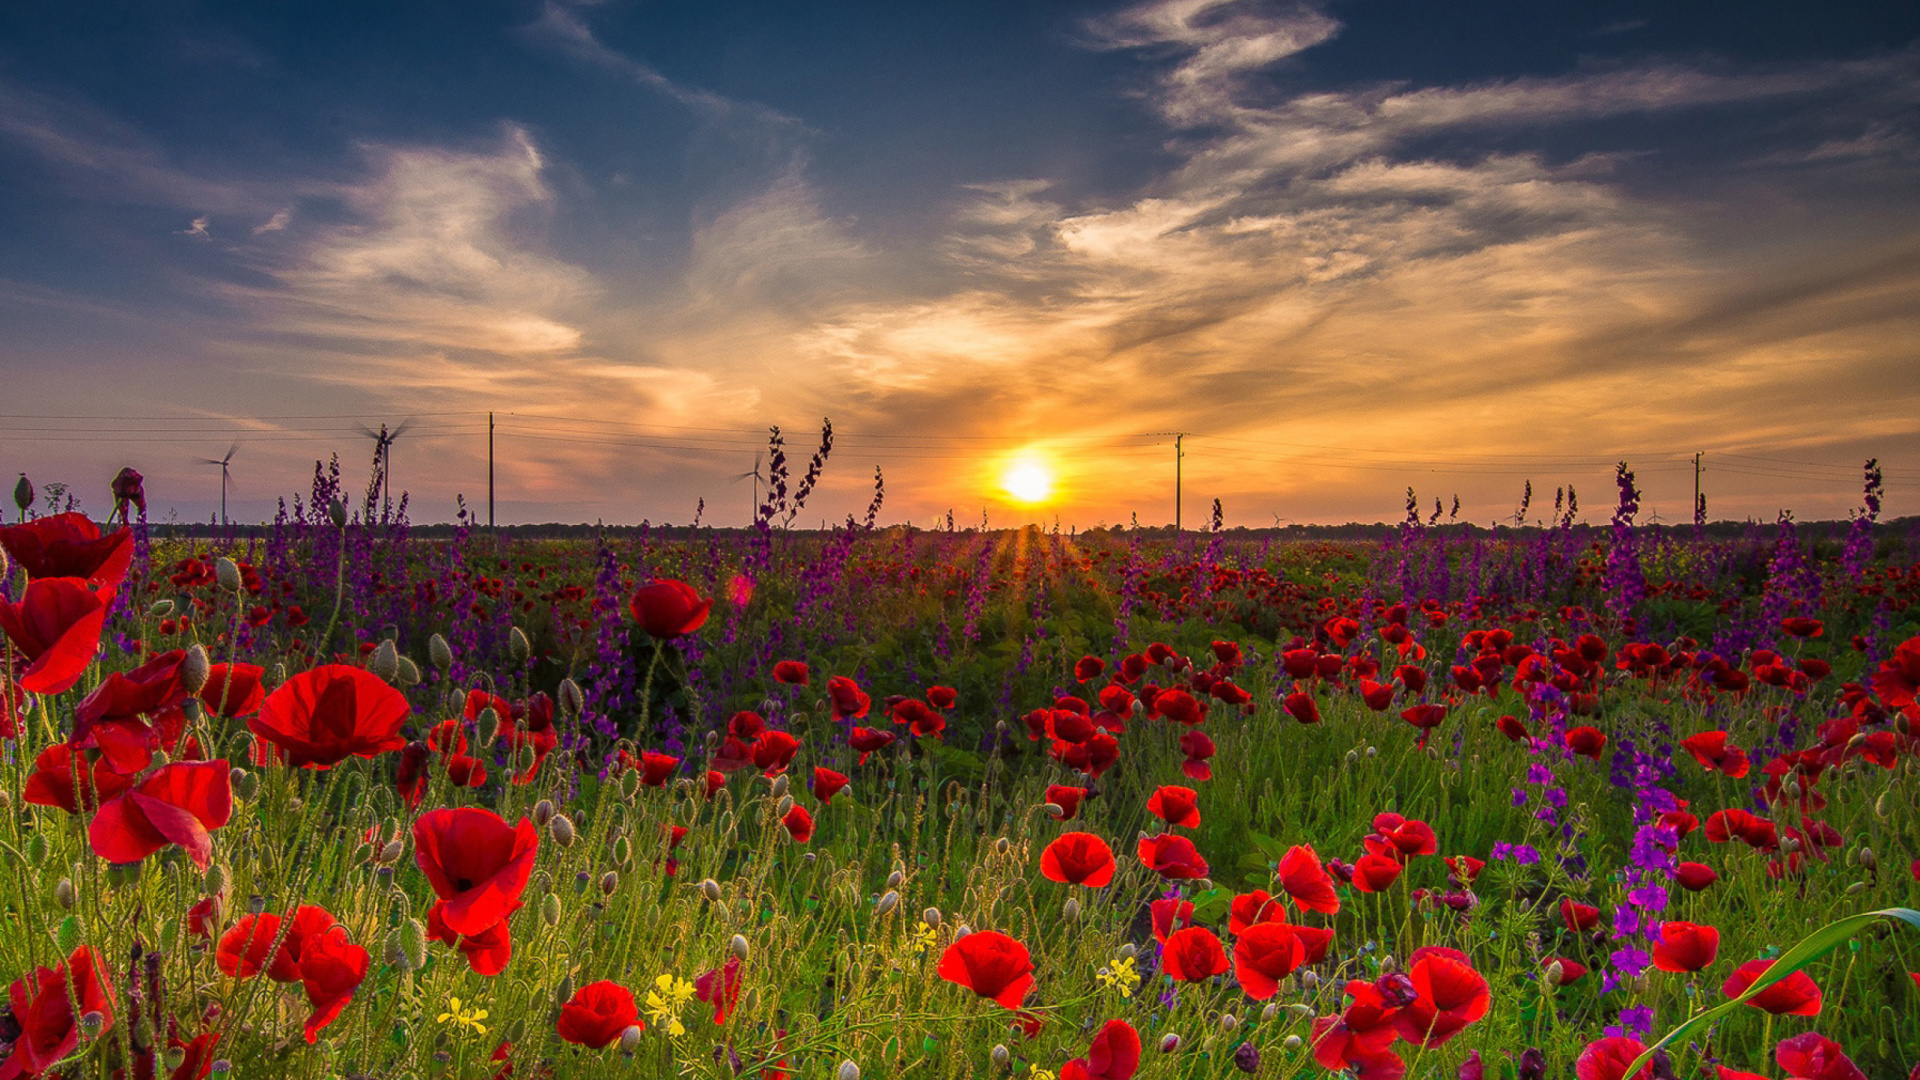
(197, 230)
(281, 219)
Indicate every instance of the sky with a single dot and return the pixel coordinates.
(1346, 248)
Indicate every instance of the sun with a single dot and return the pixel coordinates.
(1027, 481)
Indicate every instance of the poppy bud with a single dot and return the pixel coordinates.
(337, 513)
(630, 1039)
(278, 675)
(194, 668)
(1292, 1042)
(1353, 757)
(629, 784)
(931, 917)
(1071, 909)
(439, 652)
(711, 890)
(120, 875)
(722, 912)
(244, 783)
(550, 909)
(37, 848)
(1868, 860)
(409, 672)
(564, 991)
(779, 786)
(1856, 888)
(1880, 807)
(487, 725)
(1228, 1022)
(561, 829)
(67, 936)
(160, 609)
(64, 895)
(1000, 1055)
(543, 812)
(216, 880)
(91, 1025)
(847, 1071)
(894, 879)
(1302, 1010)
(740, 948)
(887, 902)
(609, 881)
(1000, 846)
(784, 806)
(518, 645)
(256, 904)
(226, 573)
(622, 851)
(391, 853)
(1272, 1010)
(1556, 973)
(899, 819)
(961, 931)
(23, 494)
(385, 662)
(1247, 1058)
(1055, 810)
(413, 944)
(1169, 1043)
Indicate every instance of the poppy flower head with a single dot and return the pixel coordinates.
(1180, 707)
(1307, 882)
(942, 697)
(1258, 906)
(1263, 954)
(179, 803)
(827, 783)
(1449, 995)
(1795, 995)
(1813, 1056)
(597, 1014)
(43, 1009)
(1078, 858)
(990, 964)
(1193, 955)
(1301, 706)
(798, 823)
(720, 987)
(1608, 1059)
(1088, 668)
(1685, 947)
(1067, 798)
(1114, 1055)
(55, 626)
(773, 751)
(1172, 857)
(792, 673)
(323, 716)
(666, 608)
(233, 690)
(1176, 806)
(1578, 917)
(1167, 914)
(847, 698)
(1587, 741)
(477, 863)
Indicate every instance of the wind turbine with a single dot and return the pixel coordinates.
(226, 476)
(383, 452)
(757, 481)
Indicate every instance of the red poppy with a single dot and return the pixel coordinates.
(1088, 667)
(70, 545)
(232, 690)
(868, 740)
(487, 952)
(1198, 748)
(331, 968)
(1376, 695)
(720, 988)
(1166, 914)
(1694, 876)
(1257, 906)
(1114, 1055)
(1795, 995)
(657, 769)
(1176, 806)
(1570, 969)
(477, 864)
(1359, 1037)
(1179, 707)
(410, 775)
(1307, 882)
(1802, 627)
(321, 717)
(773, 751)
(666, 608)
(1263, 954)
(1405, 836)
(1587, 741)
(1375, 872)
(942, 697)
(598, 1014)
(1301, 706)
(1172, 857)
(1078, 858)
(1715, 754)
(43, 1009)
(990, 964)
(799, 823)
(847, 697)
(827, 784)
(1465, 868)
(55, 626)
(1067, 798)
(1685, 946)
(792, 672)
(180, 803)
(1193, 955)
(1513, 729)
(52, 781)
(1578, 917)
(543, 741)
(1813, 1056)
(1449, 995)
(1608, 1058)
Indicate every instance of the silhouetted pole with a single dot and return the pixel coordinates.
(1178, 456)
(489, 470)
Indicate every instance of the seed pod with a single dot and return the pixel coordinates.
(1247, 1058)
(1071, 909)
(1228, 1022)
(1868, 860)
(337, 513)
(391, 853)
(847, 1071)
(1292, 1042)
(518, 645)
(64, 895)
(572, 701)
(550, 909)
(409, 672)
(630, 1039)
(561, 829)
(779, 788)
(740, 948)
(931, 917)
(91, 1025)
(385, 662)
(711, 890)
(542, 813)
(580, 882)
(609, 881)
(226, 573)
(194, 668)
(413, 944)
(887, 902)
(1169, 1043)
(894, 879)
(215, 880)
(1000, 1055)
(439, 652)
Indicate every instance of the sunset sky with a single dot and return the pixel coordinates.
(1348, 247)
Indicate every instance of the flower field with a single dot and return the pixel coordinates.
(330, 799)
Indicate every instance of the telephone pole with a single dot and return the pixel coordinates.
(1179, 455)
(1698, 517)
(489, 470)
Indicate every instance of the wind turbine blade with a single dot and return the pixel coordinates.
(230, 452)
(404, 425)
(365, 430)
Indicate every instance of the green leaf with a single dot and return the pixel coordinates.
(1811, 948)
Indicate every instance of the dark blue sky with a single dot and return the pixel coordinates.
(1543, 236)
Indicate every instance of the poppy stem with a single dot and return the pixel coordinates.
(339, 594)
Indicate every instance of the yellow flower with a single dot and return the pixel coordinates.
(1120, 975)
(924, 938)
(464, 1017)
(1041, 1074)
(665, 1001)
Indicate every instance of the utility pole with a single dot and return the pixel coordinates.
(1697, 516)
(1179, 455)
(489, 470)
